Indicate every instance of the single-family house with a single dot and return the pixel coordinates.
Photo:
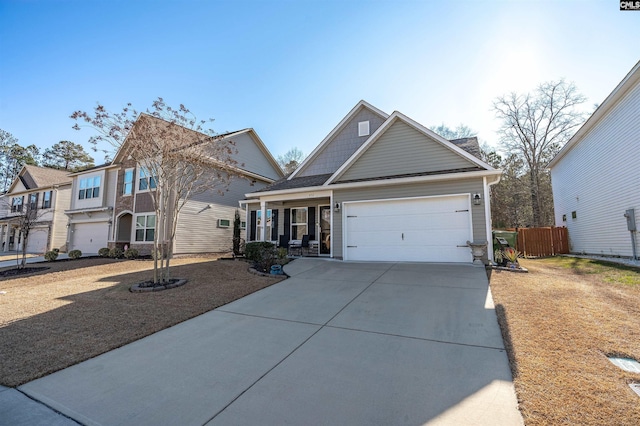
(596, 176)
(381, 187)
(44, 193)
(112, 204)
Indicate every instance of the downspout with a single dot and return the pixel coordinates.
(487, 213)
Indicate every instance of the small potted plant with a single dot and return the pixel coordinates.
(511, 255)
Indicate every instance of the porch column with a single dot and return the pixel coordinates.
(2, 233)
(7, 235)
(263, 220)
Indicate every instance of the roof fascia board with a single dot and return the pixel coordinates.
(38, 189)
(417, 126)
(15, 180)
(340, 126)
(97, 169)
(382, 182)
(621, 89)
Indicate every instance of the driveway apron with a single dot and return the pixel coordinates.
(337, 343)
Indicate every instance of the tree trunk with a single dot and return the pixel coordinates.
(534, 180)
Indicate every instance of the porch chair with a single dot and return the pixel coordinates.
(305, 244)
(283, 241)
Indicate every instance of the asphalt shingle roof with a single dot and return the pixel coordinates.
(39, 177)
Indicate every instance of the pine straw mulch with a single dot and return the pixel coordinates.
(560, 322)
(79, 309)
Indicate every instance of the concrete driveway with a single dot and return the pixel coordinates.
(338, 343)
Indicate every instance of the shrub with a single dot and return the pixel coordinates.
(75, 254)
(103, 252)
(511, 254)
(263, 254)
(56, 250)
(131, 253)
(254, 250)
(116, 253)
(50, 256)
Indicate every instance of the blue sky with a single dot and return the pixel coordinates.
(293, 69)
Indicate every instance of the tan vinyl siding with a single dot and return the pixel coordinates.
(404, 150)
(343, 144)
(599, 179)
(61, 202)
(251, 158)
(463, 186)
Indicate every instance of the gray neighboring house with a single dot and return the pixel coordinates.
(381, 187)
(596, 176)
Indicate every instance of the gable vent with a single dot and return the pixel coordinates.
(363, 128)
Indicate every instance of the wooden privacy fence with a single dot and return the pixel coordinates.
(536, 242)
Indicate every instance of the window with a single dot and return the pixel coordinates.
(363, 128)
(89, 188)
(46, 199)
(145, 227)
(298, 223)
(243, 225)
(146, 181)
(16, 204)
(224, 223)
(267, 225)
(574, 215)
(127, 187)
(564, 217)
(33, 201)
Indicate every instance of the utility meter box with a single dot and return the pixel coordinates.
(631, 219)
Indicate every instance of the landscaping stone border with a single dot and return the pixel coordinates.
(137, 289)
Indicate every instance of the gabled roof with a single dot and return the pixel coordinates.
(627, 83)
(397, 116)
(227, 135)
(311, 157)
(93, 169)
(34, 177)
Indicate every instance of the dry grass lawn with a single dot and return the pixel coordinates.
(79, 309)
(560, 322)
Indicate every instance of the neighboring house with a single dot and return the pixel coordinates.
(91, 209)
(44, 191)
(596, 176)
(381, 187)
(114, 208)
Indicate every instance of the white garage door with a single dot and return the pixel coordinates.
(37, 240)
(89, 237)
(434, 229)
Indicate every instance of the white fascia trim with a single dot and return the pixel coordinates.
(381, 182)
(621, 89)
(335, 130)
(417, 126)
(88, 210)
(307, 195)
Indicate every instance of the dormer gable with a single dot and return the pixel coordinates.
(345, 139)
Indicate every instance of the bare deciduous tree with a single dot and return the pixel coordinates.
(290, 160)
(179, 155)
(461, 131)
(24, 219)
(535, 126)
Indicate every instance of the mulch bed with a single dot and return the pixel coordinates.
(24, 271)
(78, 310)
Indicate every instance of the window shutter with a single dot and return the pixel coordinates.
(311, 223)
(252, 229)
(287, 223)
(274, 224)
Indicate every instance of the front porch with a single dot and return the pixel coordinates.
(303, 226)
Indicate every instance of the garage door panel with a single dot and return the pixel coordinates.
(424, 229)
(37, 241)
(90, 237)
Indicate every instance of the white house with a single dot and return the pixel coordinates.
(596, 176)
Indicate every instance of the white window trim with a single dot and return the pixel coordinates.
(363, 128)
(292, 224)
(124, 181)
(92, 187)
(44, 199)
(138, 173)
(135, 227)
(259, 229)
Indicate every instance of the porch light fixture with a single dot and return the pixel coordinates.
(336, 208)
(476, 199)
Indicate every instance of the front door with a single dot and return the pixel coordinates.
(325, 230)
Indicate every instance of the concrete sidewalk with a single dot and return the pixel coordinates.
(337, 343)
